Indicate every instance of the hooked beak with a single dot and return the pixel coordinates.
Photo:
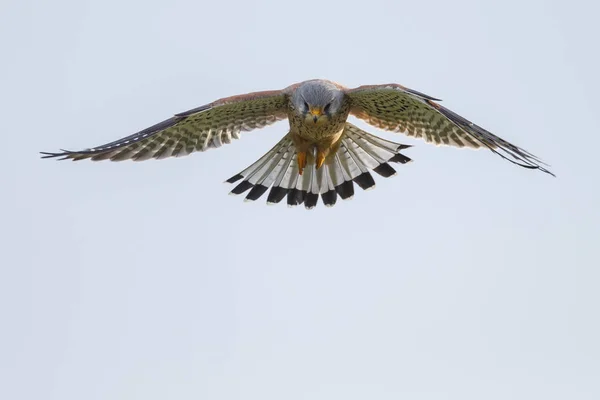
(316, 112)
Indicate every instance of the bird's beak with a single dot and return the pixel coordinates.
(316, 112)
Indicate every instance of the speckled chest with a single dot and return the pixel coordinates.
(329, 127)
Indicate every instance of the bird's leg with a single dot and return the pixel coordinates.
(320, 158)
(325, 148)
(302, 148)
(301, 161)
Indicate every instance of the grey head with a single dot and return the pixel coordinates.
(317, 98)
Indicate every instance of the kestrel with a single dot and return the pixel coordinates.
(322, 154)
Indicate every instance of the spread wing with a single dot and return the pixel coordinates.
(396, 108)
(201, 128)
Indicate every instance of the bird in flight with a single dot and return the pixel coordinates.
(322, 154)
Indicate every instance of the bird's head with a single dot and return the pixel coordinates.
(317, 101)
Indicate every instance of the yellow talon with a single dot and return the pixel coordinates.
(320, 159)
(301, 161)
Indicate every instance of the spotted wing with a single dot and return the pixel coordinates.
(396, 108)
(201, 128)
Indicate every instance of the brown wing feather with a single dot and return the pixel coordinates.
(201, 128)
(396, 108)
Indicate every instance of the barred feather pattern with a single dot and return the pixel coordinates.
(398, 111)
(199, 129)
(396, 108)
(358, 153)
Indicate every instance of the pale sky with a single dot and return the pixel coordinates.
(463, 277)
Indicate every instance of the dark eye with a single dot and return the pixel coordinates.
(326, 108)
(306, 105)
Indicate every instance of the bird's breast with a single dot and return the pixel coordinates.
(313, 130)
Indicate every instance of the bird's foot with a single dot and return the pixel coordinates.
(320, 159)
(301, 161)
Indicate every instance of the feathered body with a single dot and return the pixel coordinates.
(318, 112)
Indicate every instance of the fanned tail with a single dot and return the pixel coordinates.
(358, 153)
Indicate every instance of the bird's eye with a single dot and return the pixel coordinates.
(326, 108)
(306, 105)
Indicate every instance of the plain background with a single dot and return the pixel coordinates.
(464, 277)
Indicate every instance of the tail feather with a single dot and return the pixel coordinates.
(265, 167)
(358, 153)
(328, 192)
(285, 179)
(342, 181)
(347, 162)
(363, 162)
